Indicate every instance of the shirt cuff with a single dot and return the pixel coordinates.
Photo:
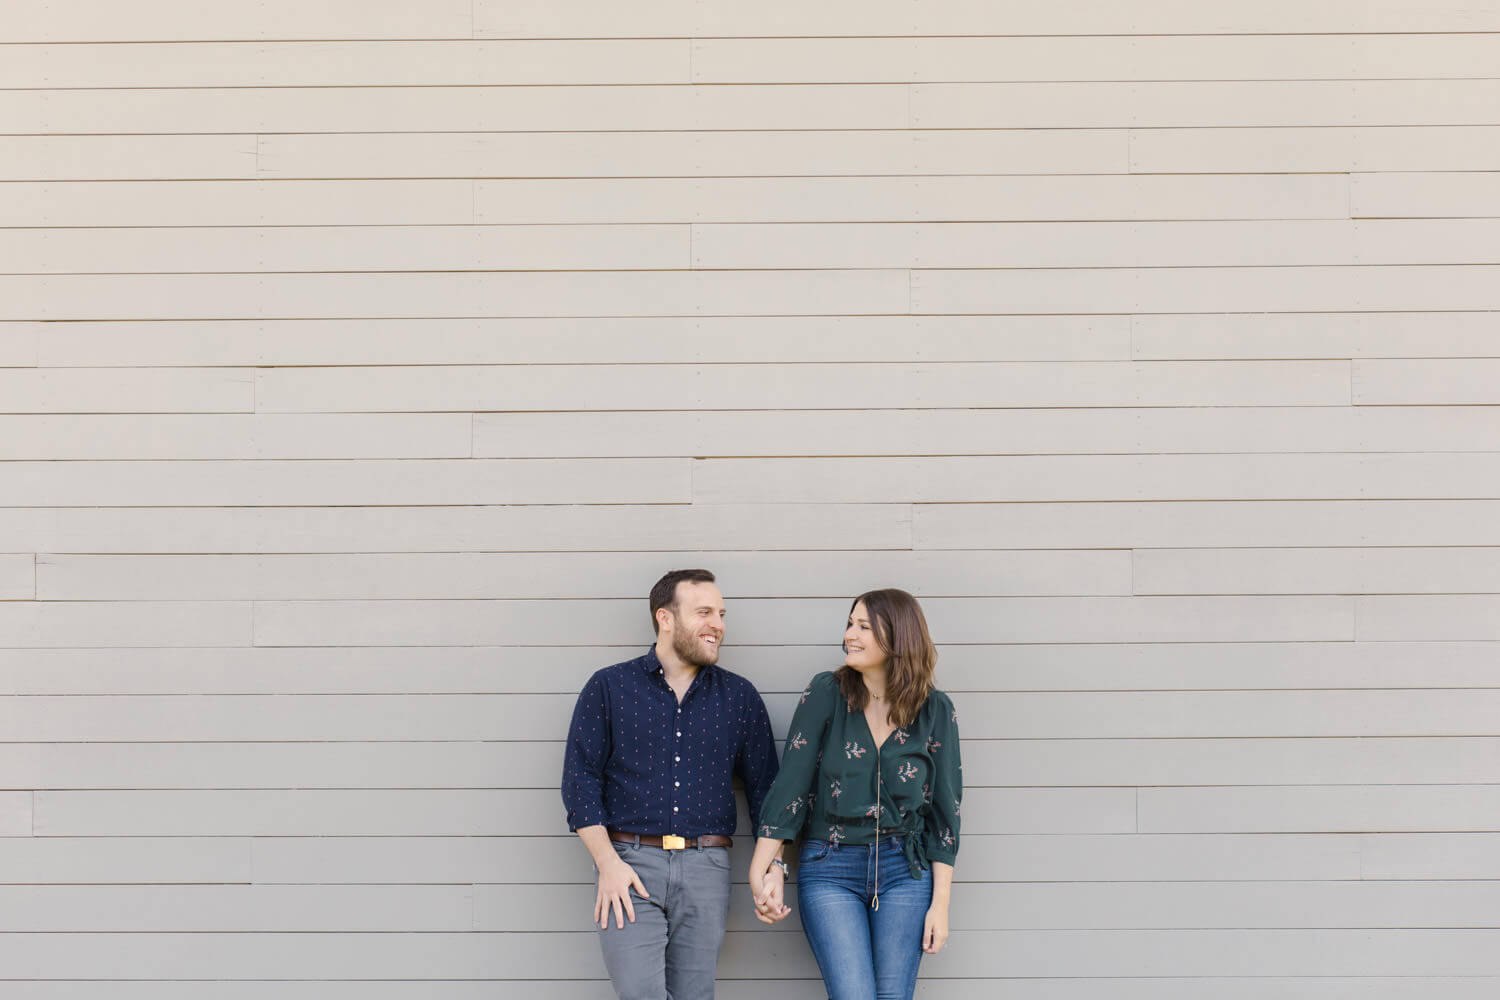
(947, 857)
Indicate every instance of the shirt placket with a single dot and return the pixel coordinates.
(677, 768)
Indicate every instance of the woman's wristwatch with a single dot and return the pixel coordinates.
(785, 871)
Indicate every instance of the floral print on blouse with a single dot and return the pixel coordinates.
(833, 794)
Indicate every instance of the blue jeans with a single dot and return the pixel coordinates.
(864, 954)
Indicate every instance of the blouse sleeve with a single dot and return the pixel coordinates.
(941, 825)
(786, 804)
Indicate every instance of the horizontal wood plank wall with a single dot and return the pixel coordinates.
(362, 363)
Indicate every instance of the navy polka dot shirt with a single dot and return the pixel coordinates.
(637, 761)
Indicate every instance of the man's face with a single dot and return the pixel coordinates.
(697, 623)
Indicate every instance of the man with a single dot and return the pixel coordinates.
(648, 773)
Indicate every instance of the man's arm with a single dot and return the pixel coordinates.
(616, 878)
(583, 794)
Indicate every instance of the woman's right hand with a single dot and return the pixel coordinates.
(768, 889)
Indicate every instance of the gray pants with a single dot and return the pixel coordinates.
(671, 952)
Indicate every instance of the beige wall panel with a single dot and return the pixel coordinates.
(457, 529)
(474, 812)
(1079, 57)
(122, 157)
(416, 295)
(988, 906)
(16, 814)
(38, 860)
(564, 575)
(452, 60)
(1146, 988)
(1418, 195)
(1080, 244)
(913, 199)
(708, 153)
(1227, 289)
(755, 954)
(1177, 666)
(442, 482)
(179, 20)
(281, 765)
(1392, 147)
(1015, 857)
(1103, 430)
(1315, 571)
(1094, 477)
(460, 109)
(509, 18)
(98, 390)
(1149, 762)
(69, 437)
(1208, 524)
(1451, 616)
(569, 340)
(1315, 335)
(238, 203)
(1429, 102)
(772, 668)
(1140, 105)
(1403, 383)
(1430, 855)
(808, 620)
(351, 248)
(1296, 809)
(240, 908)
(144, 623)
(19, 344)
(804, 386)
(1012, 715)
(1039, 763)
(18, 576)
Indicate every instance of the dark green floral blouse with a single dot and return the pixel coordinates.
(835, 782)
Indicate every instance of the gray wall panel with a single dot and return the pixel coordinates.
(361, 365)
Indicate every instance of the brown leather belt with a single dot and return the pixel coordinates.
(671, 842)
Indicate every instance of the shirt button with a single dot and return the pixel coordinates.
(674, 808)
(676, 784)
(678, 759)
(679, 734)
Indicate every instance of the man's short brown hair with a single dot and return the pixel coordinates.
(664, 594)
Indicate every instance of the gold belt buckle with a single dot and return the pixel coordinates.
(672, 842)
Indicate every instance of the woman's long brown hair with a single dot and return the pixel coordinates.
(901, 631)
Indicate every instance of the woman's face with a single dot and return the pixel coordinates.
(861, 649)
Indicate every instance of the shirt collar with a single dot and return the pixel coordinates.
(651, 663)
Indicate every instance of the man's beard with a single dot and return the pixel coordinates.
(689, 650)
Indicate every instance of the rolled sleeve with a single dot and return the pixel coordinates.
(584, 758)
(756, 763)
(942, 821)
(786, 805)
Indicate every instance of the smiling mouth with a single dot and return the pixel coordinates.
(710, 639)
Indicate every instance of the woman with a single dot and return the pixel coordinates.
(871, 768)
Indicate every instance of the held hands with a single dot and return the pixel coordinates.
(935, 929)
(615, 882)
(768, 887)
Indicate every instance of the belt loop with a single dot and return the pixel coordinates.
(637, 842)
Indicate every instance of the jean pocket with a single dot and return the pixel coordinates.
(813, 851)
(717, 856)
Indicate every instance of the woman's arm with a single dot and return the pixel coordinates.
(768, 882)
(935, 928)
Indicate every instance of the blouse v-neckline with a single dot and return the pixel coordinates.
(878, 744)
